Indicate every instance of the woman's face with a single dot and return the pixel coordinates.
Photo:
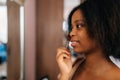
(80, 41)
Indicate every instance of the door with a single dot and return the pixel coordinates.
(49, 37)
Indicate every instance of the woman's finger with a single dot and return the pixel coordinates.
(62, 50)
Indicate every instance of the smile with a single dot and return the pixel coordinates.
(74, 43)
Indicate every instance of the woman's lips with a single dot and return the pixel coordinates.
(74, 43)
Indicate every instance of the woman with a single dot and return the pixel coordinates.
(94, 31)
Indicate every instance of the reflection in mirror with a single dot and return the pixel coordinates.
(3, 40)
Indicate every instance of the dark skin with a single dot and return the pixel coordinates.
(95, 66)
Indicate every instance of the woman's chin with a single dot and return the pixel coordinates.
(78, 51)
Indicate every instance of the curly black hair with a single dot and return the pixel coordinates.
(103, 23)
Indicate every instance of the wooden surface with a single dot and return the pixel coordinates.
(13, 67)
(49, 37)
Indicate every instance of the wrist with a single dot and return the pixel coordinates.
(63, 77)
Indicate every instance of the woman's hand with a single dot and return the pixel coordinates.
(63, 58)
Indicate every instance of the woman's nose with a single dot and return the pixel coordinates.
(73, 33)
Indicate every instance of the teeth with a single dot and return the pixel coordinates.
(74, 42)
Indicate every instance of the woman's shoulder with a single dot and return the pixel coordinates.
(114, 74)
(118, 74)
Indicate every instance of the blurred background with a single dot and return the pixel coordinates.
(30, 33)
(3, 40)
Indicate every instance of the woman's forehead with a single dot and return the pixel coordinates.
(77, 16)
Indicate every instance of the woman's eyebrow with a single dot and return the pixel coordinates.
(76, 21)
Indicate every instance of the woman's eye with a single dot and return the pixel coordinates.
(78, 26)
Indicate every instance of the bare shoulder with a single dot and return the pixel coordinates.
(116, 74)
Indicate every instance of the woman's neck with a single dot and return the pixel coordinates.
(97, 63)
(97, 66)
